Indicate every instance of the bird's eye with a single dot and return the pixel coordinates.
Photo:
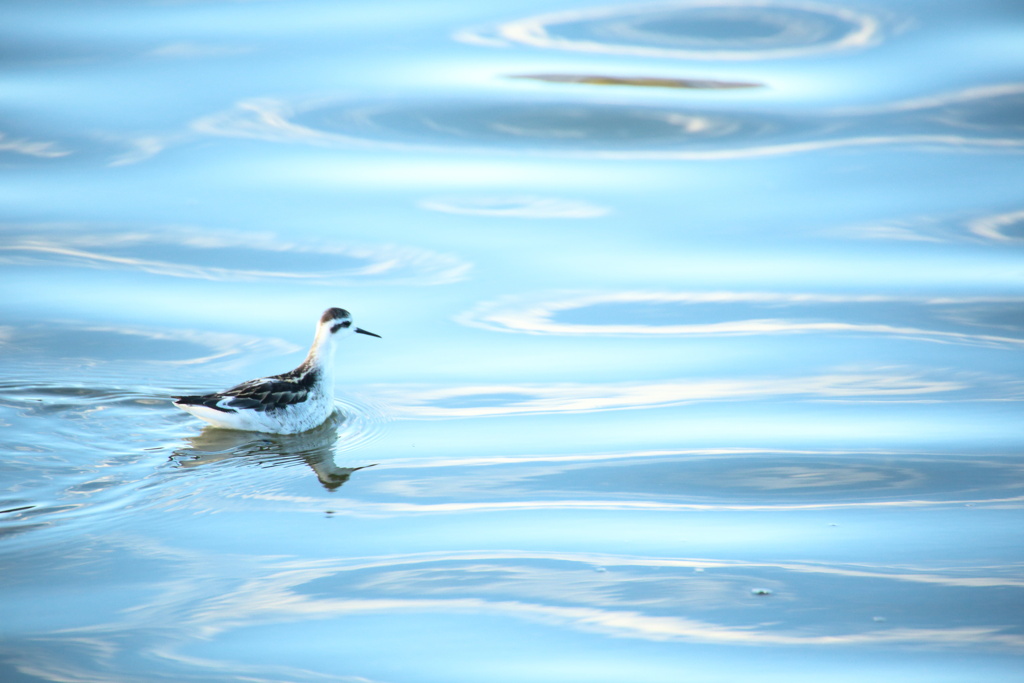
(338, 326)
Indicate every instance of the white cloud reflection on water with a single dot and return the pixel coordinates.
(943, 319)
(880, 385)
(365, 509)
(573, 129)
(42, 150)
(493, 400)
(564, 589)
(141, 149)
(940, 102)
(996, 227)
(208, 255)
(789, 29)
(515, 207)
(1003, 229)
(960, 577)
(196, 50)
(619, 623)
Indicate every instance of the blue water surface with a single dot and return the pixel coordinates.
(702, 349)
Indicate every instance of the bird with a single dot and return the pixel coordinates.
(289, 403)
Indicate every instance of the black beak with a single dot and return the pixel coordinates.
(362, 331)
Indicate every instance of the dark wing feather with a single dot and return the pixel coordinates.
(262, 394)
(272, 392)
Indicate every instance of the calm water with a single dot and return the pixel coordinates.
(702, 340)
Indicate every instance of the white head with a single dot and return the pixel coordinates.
(334, 323)
(337, 322)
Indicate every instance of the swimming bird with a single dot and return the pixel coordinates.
(288, 403)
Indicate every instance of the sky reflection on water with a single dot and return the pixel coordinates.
(760, 313)
(732, 30)
(701, 356)
(209, 255)
(615, 130)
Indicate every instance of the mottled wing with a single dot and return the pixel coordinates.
(260, 395)
(266, 394)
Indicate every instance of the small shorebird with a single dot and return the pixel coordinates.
(288, 403)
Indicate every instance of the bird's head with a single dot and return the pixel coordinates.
(337, 322)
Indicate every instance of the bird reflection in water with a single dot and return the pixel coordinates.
(314, 447)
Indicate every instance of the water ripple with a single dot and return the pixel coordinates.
(622, 597)
(616, 130)
(199, 616)
(75, 450)
(555, 126)
(710, 479)
(515, 207)
(131, 344)
(974, 321)
(881, 384)
(108, 450)
(1001, 229)
(226, 256)
(696, 29)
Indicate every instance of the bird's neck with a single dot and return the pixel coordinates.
(321, 356)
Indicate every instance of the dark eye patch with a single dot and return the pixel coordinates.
(338, 326)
